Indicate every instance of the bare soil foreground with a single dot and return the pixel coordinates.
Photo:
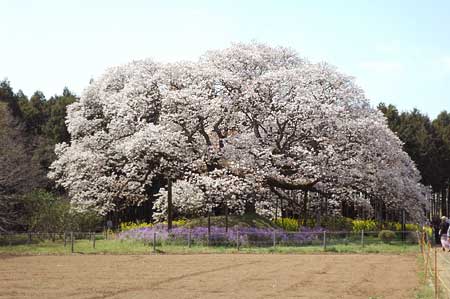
(209, 276)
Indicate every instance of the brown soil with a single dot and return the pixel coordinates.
(209, 276)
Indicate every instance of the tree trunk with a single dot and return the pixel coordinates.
(305, 207)
(448, 196)
(439, 203)
(250, 207)
(209, 223)
(169, 204)
(276, 210)
(226, 217)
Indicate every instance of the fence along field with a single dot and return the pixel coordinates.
(146, 240)
(435, 268)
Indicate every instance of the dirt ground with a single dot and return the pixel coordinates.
(209, 276)
(443, 263)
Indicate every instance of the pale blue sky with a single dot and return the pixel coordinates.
(398, 51)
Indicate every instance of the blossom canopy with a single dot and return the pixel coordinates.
(247, 123)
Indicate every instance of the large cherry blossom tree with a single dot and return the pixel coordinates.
(242, 127)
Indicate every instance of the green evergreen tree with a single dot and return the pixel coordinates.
(56, 110)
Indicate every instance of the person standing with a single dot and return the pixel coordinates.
(436, 223)
(443, 229)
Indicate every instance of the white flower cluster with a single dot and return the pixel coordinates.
(231, 128)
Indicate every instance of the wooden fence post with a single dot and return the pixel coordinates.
(189, 238)
(422, 242)
(436, 289)
(274, 239)
(419, 241)
(71, 242)
(154, 242)
(362, 238)
(324, 240)
(93, 240)
(237, 239)
(426, 262)
(65, 239)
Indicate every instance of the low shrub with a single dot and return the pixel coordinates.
(428, 230)
(288, 224)
(337, 223)
(179, 222)
(366, 225)
(386, 236)
(394, 226)
(124, 226)
(397, 226)
(47, 212)
(412, 227)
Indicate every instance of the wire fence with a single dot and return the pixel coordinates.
(242, 238)
(436, 267)
(233, 238)
(64, 238)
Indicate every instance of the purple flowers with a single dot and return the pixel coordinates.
(248, 236)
